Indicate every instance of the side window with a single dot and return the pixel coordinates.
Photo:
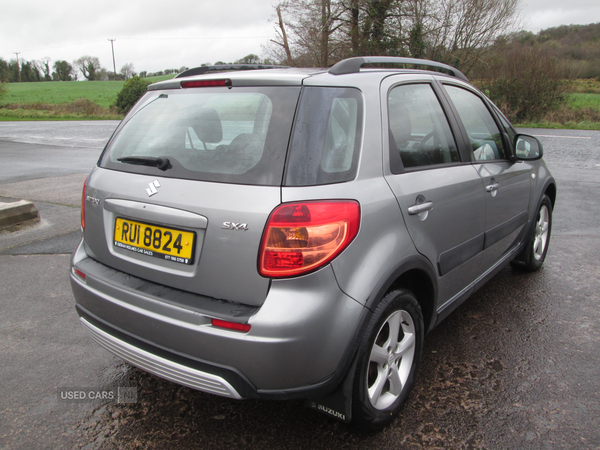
(484, 134)
(418, 128)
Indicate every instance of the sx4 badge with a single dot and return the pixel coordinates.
(235, 226)
(93, 200)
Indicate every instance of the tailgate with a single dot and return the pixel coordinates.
(196, 236)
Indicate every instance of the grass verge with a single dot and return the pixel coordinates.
(581, 111)
(80, 109)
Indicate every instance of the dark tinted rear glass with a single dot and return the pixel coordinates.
(234, 135)
(327, 137)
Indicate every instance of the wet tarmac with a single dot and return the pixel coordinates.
(516, 366)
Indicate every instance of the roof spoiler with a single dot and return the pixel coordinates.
(227, 68)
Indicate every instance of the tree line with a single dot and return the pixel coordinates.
(89, 67)
(15, 71)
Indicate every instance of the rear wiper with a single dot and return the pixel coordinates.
(161, 162)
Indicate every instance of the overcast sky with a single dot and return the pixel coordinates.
(156, 35)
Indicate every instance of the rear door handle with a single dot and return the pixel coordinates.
(420, 208)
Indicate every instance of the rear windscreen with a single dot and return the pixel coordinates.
(234, 135)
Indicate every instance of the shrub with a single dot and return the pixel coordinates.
(132, 91)
(526, 82)
(3, 89)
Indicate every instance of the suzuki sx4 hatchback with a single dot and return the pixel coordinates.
(296, 233)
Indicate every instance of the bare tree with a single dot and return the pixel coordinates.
(127, 71)
(44, 65)
(88, 66)
(280, 30)
(312, 33)
(458, 32)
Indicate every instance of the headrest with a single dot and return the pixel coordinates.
(207, 126)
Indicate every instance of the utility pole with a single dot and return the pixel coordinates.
(18, 67)
(113, 53)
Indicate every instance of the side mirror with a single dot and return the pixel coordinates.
(528, 148)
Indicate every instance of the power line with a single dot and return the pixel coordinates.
(194, 38)
(74, 44)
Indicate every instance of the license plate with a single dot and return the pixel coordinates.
(151, 240)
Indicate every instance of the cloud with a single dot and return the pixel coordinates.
(148, 33)
(156, 35)
(541, 14)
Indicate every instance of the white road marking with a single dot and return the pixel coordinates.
(565, 137)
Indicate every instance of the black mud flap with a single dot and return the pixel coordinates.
(338, 404)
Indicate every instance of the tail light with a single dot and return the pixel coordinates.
(302, 237)
(83, 206)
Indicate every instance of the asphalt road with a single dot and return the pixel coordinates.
(514, 367)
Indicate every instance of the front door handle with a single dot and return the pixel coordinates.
(492, 187)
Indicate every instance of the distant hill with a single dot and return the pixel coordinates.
(577, 45)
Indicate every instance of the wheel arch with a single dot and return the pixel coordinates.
(550, 191)
(418, 276)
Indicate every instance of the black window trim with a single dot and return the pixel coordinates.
(395, 161)
(491, 109)
(355, 167)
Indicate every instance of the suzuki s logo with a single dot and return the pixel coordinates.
(153, 188)
(235, 226)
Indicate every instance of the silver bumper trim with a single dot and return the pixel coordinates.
(161, 367)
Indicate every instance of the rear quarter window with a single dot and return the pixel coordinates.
(326, 138)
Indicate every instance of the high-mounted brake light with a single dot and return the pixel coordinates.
(231, 325)
(302, 237)
(83, 206)
(205, 83)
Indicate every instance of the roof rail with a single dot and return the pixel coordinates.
(352, 65)
(226, 68)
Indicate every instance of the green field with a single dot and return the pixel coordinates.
(102, 93)
(77, 100)
(581, 111)
(579, 101)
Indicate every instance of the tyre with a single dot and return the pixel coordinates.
(388, 359)
(534, 254)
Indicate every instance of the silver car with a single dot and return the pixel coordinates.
(295, 233)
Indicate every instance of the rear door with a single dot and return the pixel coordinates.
(507, 184)
(440, 195)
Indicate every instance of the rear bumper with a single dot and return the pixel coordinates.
(300, 345)
(162, 367)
